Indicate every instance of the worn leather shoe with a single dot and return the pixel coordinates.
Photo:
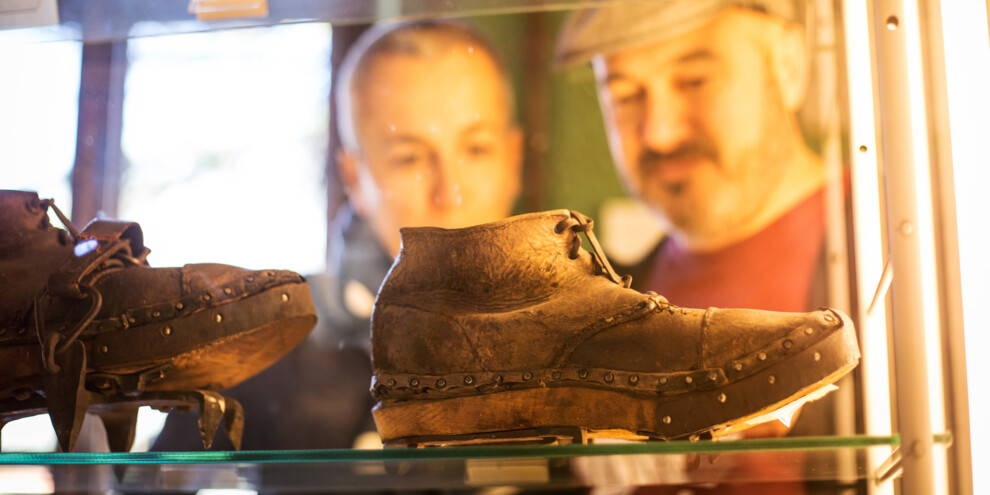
(84, 321)
(510, 331)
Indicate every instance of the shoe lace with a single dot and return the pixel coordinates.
(55, 342)
(578, 223)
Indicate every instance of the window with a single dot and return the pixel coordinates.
(224, 138)
(39, 96)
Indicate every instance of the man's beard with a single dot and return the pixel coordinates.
(700, 149)
(716, 197)
(675, 207)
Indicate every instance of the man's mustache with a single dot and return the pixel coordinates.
(650, 159)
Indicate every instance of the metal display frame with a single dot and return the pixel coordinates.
(899, 122)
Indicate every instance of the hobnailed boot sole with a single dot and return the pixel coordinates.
(559, 410)
(210, 349)
(235, 349)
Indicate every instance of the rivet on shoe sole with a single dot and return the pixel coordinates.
(179, 306)
(391, 382)
(555, 375)
(828, 317)
(634, 379)
(250, 279)
(721, 398)
(497, 378)
(441, 383)
(788, 344)
(582, 374)
(666, 420)
(688, 379)
(527, 376)
(414, 382)
(818, 356)
(771, 379)
(285, 297)
(218, 318)
(228, 291)
(609, 377)
(104, 349)
(166, 331)
(155, 314)
(663, 380)
(713, 376)
(762, 356)
(207, 297)
(468, 380)
(809, 331)
(737, 366)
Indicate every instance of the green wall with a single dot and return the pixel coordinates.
(577, 167)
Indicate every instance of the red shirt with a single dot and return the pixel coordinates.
(772, 270)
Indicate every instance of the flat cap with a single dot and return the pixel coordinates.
(618, 25)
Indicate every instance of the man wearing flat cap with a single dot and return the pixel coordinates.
(700, 101)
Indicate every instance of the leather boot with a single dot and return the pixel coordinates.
(510, 330)
(84, 321)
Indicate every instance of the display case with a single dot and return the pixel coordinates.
(216, 125)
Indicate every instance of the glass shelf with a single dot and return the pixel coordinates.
(831, 459)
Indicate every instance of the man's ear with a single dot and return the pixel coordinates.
(347, 170)
(791, 64)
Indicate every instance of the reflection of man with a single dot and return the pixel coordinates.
(428, 136)
(700, 102)
(426, 123)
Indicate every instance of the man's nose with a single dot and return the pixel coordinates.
(447, 184)
(666, 123)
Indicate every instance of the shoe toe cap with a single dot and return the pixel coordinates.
(732, 333)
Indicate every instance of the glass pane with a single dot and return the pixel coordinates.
(722, 150)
